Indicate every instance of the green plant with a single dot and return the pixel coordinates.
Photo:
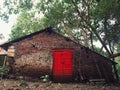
(45, 78)
(4, 70)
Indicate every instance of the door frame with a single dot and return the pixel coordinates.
(61, 49)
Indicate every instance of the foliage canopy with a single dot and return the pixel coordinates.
(82, 20)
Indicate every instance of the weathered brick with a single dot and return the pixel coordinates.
(34, 57)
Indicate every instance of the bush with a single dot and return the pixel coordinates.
(4, 70)
(118, 65)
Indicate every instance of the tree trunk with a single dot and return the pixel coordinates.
(115, 71)
(92, 28)
(85, 37)
(91, 40)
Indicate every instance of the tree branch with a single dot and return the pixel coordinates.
(93, 29)
(114, 55)
(68, 32)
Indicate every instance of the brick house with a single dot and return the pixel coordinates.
(48, 53)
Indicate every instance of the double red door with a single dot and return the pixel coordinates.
(62, 65)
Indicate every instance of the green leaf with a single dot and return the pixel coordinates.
(68, 1)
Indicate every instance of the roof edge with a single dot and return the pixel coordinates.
(23, 37)
(4, 45)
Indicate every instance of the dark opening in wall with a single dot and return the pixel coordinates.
(33, 45)
(87, 51)
(67, 39)
(87, 56)
(81, 48)
(49, 31)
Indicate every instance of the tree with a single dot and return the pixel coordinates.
(76, 18)
(81, 15)
(26, 24)
(108, 16)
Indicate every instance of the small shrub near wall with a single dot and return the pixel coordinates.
(118, 65)
(4, 65)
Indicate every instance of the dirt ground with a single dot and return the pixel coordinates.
(9, 84)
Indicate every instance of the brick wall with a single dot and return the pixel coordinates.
(34, 54)
(33, 57)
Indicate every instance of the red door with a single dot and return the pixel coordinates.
(62, 65)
